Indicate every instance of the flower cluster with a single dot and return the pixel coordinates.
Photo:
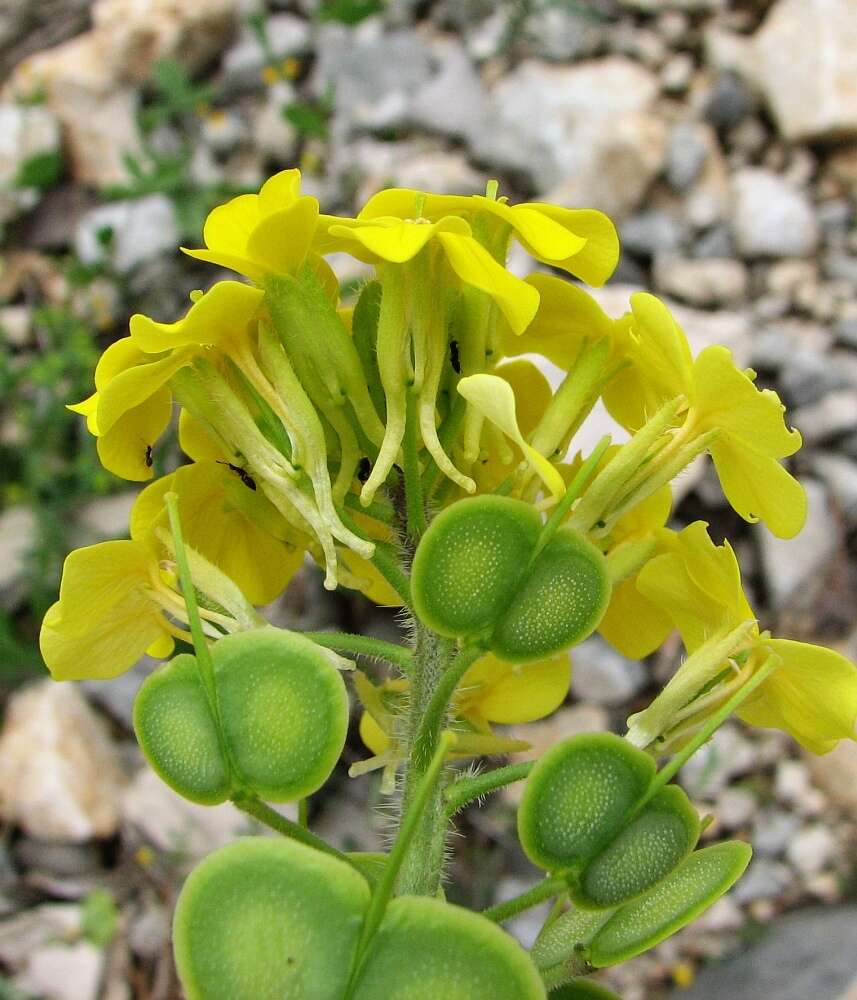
(301, 416)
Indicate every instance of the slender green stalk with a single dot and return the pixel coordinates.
(677, 762)
(414, 504)
(381, 511)
(303, 813)
(346, 642)
(407, 831)
(446, 435)
(271, 818)
(435, 712)
(466, 790)
(200, 645)
(546, 889)
(576, 487)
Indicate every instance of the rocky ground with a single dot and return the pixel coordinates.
(721, 135)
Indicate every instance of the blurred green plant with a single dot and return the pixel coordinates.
(46, 463)
(99, 918)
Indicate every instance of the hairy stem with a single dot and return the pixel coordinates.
(466, 790)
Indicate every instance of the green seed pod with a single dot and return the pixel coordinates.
(582, 989)
(561, 947)
(283, 717)
(663, 833)
(558, 604)
(673, 903)
(578, 797)
(283, 709)
(470, 562)
(426, 949)
(178, 735)
(265, 918)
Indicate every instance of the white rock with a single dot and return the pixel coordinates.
(90, 82)
(794, 568)
(602, 676)
(413, 164)
(593, 140)
(274, 135)
(171, 823)
(764, 879)
(840, 475)
(727, 755)
(735, 807)
(770, 216)
(834, 414)
(805, 62)
(63, 972)
(811, 849)
(60, 774)
(836, 773)
(454, 101)
(142, 229)
(708, 281)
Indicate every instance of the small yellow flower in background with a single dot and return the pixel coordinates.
(228, 523)
(812, 694)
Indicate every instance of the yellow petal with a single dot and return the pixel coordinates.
(364, 577)
(220, 530)
(812, 695)
(218, 316)
(567, 317)
(197, 442)
(373, 735)
(666, 583)
(132, 389)
(494, 398)
(725, 397)
(228, 227)
(597, 259)
(87, 408)
(279, 191)
(758, 487)
(104, 620)
(281, 240)
(506, 693)
(714, 569)
(661, 352)
(232, 261)
(517, 300)
(633, 624)
(124, 448)
(162, 647)
(646, 517)
(532, 392)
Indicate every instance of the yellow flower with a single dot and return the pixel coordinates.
(394, 240)
(812, 694)
(498, 459)
(567, 319)
(633, 624)
(493, 690)
(493, 398)
(751, 434)
(580, 241)
(109, 613)
(262, 234)
(132, 405)
(228, 522)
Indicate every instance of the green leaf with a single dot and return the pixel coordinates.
(99, 918)
(364, 329)
(40, 171)
(309, 119)
(470, 562)
(426, 949)
(348, 11)
(672, 904)
(265, 918)
(578, 798)
(558, 604)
